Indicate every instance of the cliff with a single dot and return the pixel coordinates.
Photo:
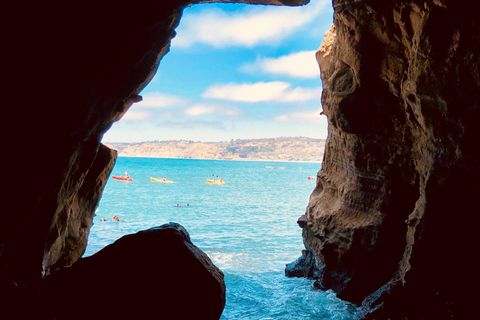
(280, 149)
(391, 222)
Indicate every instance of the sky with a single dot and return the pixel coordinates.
(235, 71)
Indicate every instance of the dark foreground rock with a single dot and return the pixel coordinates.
(303, 267)
(154, 274)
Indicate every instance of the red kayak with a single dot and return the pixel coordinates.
(122, 178)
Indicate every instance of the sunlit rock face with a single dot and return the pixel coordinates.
(392, 218)
(71, 70)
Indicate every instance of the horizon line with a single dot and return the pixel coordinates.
(198, 141)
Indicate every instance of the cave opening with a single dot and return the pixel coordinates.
(245, 78)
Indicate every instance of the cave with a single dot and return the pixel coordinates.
(390, 222)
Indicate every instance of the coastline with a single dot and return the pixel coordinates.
(285, 149)
(212, 159)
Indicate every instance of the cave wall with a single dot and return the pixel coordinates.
(392, 218)
(70, 71)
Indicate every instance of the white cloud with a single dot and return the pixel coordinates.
(201, 109)
(136, 115)
(296, 65)
(248, 27)
(302, 116)
(160, 100)
(275, 91)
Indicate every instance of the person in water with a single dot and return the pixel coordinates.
(178, 205)
(115, 218)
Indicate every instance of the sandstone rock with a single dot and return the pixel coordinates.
(401, 91)
(72, 221)
(153, 272)
(392, 226)
(70, 77)
(302, 221)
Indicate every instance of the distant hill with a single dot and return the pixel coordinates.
(279, 149)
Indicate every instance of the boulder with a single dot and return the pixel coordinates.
(156, 273)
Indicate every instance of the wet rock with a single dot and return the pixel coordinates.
(304, 267)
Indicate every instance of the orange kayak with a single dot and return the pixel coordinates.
(122, 178)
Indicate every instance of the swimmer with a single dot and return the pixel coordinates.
(115, 218)
(178, 205)
(188, 205)
(103, 219)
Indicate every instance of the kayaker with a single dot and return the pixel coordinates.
(221, 179)
(126, 175)
(164, 178)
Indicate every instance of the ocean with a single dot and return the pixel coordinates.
(247, 226)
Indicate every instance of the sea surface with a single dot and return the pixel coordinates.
(247, 226)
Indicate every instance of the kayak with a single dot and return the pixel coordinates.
(215, 181)
(122, 178)
(161, 180)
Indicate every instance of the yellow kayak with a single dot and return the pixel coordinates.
(160, 180)
(216, 181)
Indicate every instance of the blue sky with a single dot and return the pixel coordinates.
(235, 71)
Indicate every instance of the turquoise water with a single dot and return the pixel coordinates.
(247, 226)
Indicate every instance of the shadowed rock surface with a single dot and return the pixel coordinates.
(391, 219)
(70, 71)
(153, 272)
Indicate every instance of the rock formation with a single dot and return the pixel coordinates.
(70, 71)
(157, 271)
(391, 220)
